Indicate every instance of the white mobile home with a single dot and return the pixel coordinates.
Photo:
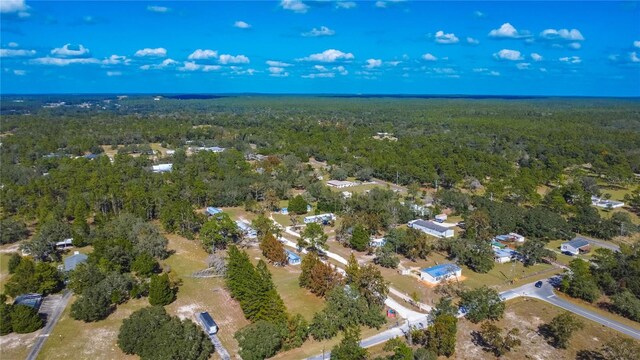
(246, 229)
(576, 246)
(431, 228)
(322, 218)
(438, 273)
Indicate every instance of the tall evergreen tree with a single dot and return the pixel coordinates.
(273, 250)
(359, 238)
(160, 290)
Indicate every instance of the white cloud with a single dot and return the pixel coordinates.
(19, 72)
(230, 59)
(320, 75)
(442, 38)
(277, 71)
(157, 52)
(523, 66)
(165, 63)
(571, 59)
(323, 31)
(116, 60)
(633, 57)
(486, 71)
(429, 57)
(543, 70)
(445, 71)
(536, 57)
(574, 45)
(158, 9)
(203, 54)
(12, 6)
(330, 55)
(15, 44)
(506, 54)
(114, 73)
(494, 73)
(373, 63)
(64, 61)
(383, 4)
(562, 34)
(241, 25)
(472, 41)
(340, 69)
(393, 63)
(345, 4)
(478, 70)
(320, 68)
(635, 43)
(296, 6)
(207, 68)
(66, 51)
(275, 63)
(506, 31)
(16, 53)
(189, 66)
(479, 14)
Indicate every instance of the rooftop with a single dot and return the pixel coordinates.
(291, 255)
(441, 270)
(430, 225)
(74, 260)
(207, 319)
(577, 242)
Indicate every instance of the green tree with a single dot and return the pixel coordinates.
(562, 327)
(160, 290)
(258, 341)
(218, 232)
(349, 347)
(85, 275)
(620, 348)
(359, 238)
(313, 238)
(482, 303)
(145, 265)
(135, 330)
(491, 336)
(43, 245)
(400, 349)
(297, 205)
(29, 277)
(386, 258)
(12, 230)
(25, 319)
(5, 318)
(296, 333)
(579, 282)
(264, 226)
(533, 251)
(13, 262)
(93, 305)
(627, 304)
(442, 335)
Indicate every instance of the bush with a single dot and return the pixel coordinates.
(94, 304)
(5, 319)
(14, 261)
(160, 290)
(25, 319)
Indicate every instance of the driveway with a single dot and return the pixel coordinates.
(52, 306)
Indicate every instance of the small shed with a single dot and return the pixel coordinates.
(74, 260)
(441, 218)
(502, 256)
(293, 258)
(208, 323)
(161, 168)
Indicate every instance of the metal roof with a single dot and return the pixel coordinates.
(441, 270)
(207, 319)
(430, 225)
(291, 255)
(72, 261)
(577, 242)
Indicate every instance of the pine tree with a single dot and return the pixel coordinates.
(270, 305)
(352, 270)
(273, 250)
(25, 319)
(359, 238)
(349, 348)
(308, 263)
(160, 290)
(5, 319)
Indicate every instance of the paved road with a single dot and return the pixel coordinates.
(602, 243)
(52, 318)
(224, 354)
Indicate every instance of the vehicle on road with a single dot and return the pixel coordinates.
(539, 284)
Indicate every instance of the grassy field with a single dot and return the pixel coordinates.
(526, 315)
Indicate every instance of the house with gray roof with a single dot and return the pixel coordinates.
(576, 246)
(431, 228)
(74, 260)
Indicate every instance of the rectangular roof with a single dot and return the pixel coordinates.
(291, 255)
(430, 225)
(577, 242)
(74, 260)
(441, 270)
(213, 210)
(503, 253)
(207, 319)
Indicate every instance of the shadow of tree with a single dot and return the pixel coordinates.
(589, 355)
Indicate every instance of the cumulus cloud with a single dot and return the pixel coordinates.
(574, 45)
(320, 68)
(442, 38)
(158, 9)
(67, 51)
(373, 63)
(241, 25)
(383, 4)
(277, 71)
(16, 53)
(330, 55)
(506, 54)
(486, 71)
(116, 60)
(114, 73)
(201, 54)
(296, 6)
(523, 66)
(275, 63)
(231, 59)
(164, 64)
(148, 52)
(571, 59)
(429, 57)
(562, 34)
(15, 44)
(345, 4)
(472, 41)
(18, 7)
(536, 57)
(635, 44)
(63, 61)
(319, 75)
(507, 31)
(322, 31)
(19, 72)
(633, 57)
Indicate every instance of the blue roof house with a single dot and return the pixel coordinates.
(293, 258)
(213, 211)
(208, 323)
(74, 260)
(31, 300)
(436, 274)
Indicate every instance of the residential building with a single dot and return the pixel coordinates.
(606, 204)
(210, 326)
(576, 246)
(339, 184)
(503, 255)
(510, 237)
(322, 218)
(64, 244)
(213, 211)
(293, 258)
(32, 300)
(441, 218)
(74, 260)
(431, 228)
(438, 273)
(161, 168)
(246, 229)
(379, 242)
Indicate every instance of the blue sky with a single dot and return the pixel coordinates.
(293, 46)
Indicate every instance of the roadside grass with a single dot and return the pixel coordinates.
(527, 315)
(283, 220)
(73, 339)
(508, 275)
(601, 312)
(566, 259)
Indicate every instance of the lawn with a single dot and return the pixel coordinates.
(566, 259)
(526, 315)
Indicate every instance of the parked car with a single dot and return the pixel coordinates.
(539, 284)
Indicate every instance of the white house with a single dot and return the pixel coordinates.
(347, 194)
(510, 237)
(66, 243)
(431, 228)
(606, 204)
(161, 168)
(213, 211)
(339, 184)
(438, 273)
(379, 242)
(441, 218)
(246, 229)
(322, 218)
(575, 246)
(170, 152)
(502, 256)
